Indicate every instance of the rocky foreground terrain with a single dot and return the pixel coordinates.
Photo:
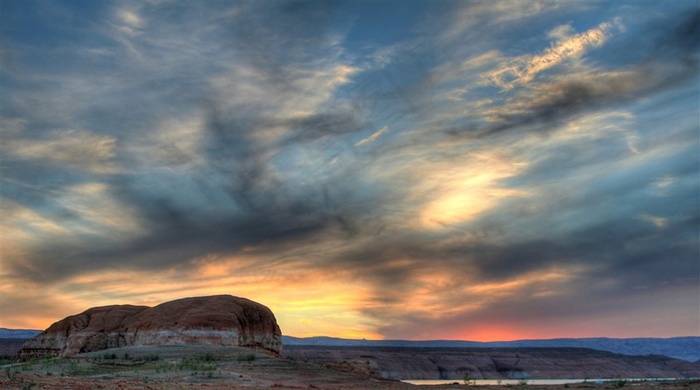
(221, 367)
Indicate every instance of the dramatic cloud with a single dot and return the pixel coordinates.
(474, 170)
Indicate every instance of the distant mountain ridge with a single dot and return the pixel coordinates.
(684, 348)
(18, 333)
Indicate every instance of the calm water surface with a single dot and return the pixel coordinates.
(491, 382)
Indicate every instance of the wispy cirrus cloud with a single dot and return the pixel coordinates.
(373, 137)
(523, 69)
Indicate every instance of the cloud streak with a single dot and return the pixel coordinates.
(372, 137)
(523, 69)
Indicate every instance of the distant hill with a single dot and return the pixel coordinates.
(18, 333)
(491, 363)
(11, 340)
(684, 348)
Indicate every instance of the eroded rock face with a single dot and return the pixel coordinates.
(218, 320)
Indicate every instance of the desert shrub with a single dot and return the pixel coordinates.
(207, 357)
(468, 380)
(6, 359)
(11, 375)
(28, 386)
(195, 365)
(207, 367)
(76, 369)
(163, 367)
(246, 357)
(151, 358)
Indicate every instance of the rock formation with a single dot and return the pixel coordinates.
(217, 320)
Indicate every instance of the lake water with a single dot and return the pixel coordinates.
(484, 382)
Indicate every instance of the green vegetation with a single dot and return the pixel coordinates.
(29, 386)
(208, 357)
(203, 362)
(6, 359)
(111, 363)
(195, 364)
(74, 368)
(13, 377)
(246, 357)
(113, 358)
(208, 364)
(151, 358)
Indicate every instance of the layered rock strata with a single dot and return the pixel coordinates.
(217, 320)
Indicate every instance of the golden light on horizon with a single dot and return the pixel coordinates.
(306, 302)
(488, 332)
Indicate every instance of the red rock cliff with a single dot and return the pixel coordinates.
(218, 320)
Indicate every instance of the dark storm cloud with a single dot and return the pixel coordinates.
(609, 263)
(616, 241)
(284, 42)
(260, 208)
(242, 134)
(604, 227)
(607, 233)
(621, 244)
(637, 249)
(264, 207)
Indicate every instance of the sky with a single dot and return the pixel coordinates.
(473, 170)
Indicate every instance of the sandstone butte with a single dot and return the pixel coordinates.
(217, 320)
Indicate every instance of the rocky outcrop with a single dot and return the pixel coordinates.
(218, 320)
(94, 329)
